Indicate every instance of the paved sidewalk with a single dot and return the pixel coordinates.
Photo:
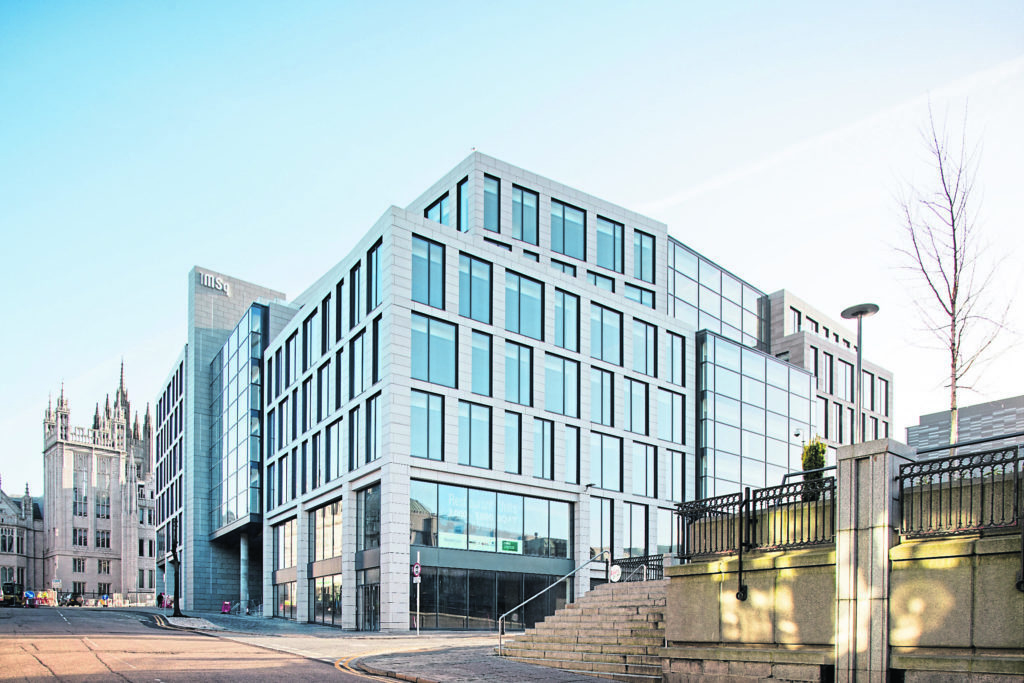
(432, 657)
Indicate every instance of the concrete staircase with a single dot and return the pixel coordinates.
(614, 631)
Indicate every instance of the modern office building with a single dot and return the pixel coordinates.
(100, 534)
(207, 432)
(981, 421)
(21, 541)
(807, 338)
(499, 381)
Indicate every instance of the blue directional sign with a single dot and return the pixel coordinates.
(30, 594)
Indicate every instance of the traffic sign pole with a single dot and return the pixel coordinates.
(418, 593)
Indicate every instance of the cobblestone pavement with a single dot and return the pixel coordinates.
(432, 657)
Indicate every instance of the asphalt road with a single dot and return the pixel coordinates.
(82, 644)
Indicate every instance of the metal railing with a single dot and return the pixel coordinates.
(501, 619)
(791, 515)
(961, 494)
(966, 493)
(645, 568)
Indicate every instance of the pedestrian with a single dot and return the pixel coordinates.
(160, 600)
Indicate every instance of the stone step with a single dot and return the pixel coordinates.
(606, 648)
(617, 672)
(633, 627)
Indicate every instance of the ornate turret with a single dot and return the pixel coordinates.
(26, 504)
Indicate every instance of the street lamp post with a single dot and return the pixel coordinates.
(860, 311)
(177, 568)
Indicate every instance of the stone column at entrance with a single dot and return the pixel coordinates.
(866, 522)
(243, 569)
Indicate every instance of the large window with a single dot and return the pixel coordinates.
(464, 518)
(643, 256)
(645, 470)
(368, 518)
(645, 348)
(606, 461)
(571, 443)
(543, 448)
(481, 364)
(518, 373)
(357, 375)
(285, 544)
(373, 283)
(474, 288)
(670, 416)
(636, 530)
(524, 306)
(433, 350)
(474, 434)
(513, 443)
(355, 311)
(374, 426)
(438, 211)
(609, 244)
(676, 359)
(427, 272)
(601, 406)
(325, 530)
(636, 394)
(568, 230)
(524, 214)
(492, 203)
(567, 320)
(561, 385)
(462, 215)
(605, 334)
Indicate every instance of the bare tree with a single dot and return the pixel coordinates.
(943, 249)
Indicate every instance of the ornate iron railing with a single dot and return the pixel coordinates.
(646, 568)
(792, 515)
(961, 494)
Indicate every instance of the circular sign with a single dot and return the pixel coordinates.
(615, 573)
(416, 569)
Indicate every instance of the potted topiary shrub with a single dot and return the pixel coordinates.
(813, 459)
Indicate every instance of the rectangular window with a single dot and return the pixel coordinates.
(645, 348)
(474, 288)
(438, 211)
(563, 267)
(433, 350)
(568, 230)
(325, 324)
(601, 410)
(606, 461)
(883, 398)
(636, 394)
(309, 336)
(102, 539)
(492, 203)
(642, 296)
(671, 418)
(524, 214)
(636, 530)
(355, 298)
(474, 435)
(339, 310)
(518, 373)
(373, 428)
(795, 320)
(543, 448)
(427, 425)
(561, 385)
(357, 379)
(462, 211)
(373, 291)
(103, 588)
(377, 354)
(368, 518)
(513, 443)
(829, 372)
(609, 244)
(601, 281)
(323, 396)
(643, 256)
(524, 305)
(481, 364)
(427, 272)
(605, 334)
(567, 320)
(103, 566)
(356, 438)
(271, 486)
(291, 359)
(600, 526)
(571, 438)
(677, 483)
(307, 402)
(78, 565)
(645, 470)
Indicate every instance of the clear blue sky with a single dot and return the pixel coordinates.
(140, 139)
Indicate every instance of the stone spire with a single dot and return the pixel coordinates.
(96, 417)
(147, 424)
